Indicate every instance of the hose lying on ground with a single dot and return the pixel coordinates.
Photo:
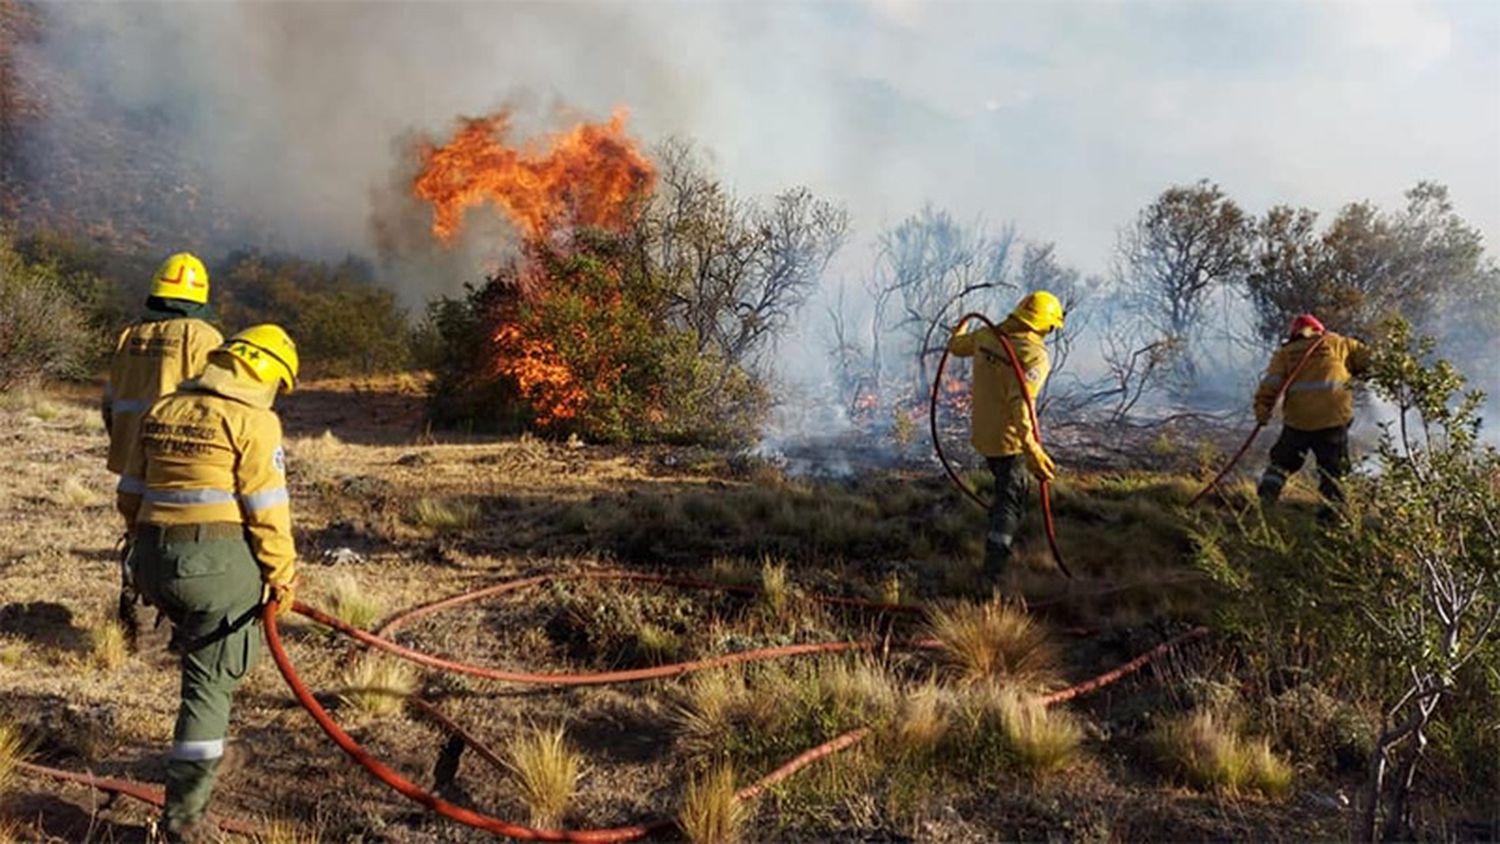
(479, 820)
(1255, 432)
(937, 444)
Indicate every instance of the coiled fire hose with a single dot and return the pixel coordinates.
(480, 820)
(1036, 428)
(1255, 432)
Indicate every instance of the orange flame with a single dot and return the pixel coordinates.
(589, 175)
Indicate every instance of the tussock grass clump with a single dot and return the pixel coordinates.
(108, 649)
(1205, 750)
(377, 685)
(709, 705)
(922, 722)
(14, 749)
(995, 640)
(1042, 740)
(545, 770)
(444, 515)
(287, 831)
(711, 811)
(74, 494)
(350, 603)
(775, 591)
(657, 644)
(861, 690)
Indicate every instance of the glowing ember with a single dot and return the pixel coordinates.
(589, 175)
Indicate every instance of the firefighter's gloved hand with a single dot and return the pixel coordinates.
(285, 595)
(1040, 463)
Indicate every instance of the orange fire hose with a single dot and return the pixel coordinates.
(1254, 432)
(1046, 490)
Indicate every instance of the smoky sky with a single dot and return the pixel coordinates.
(1064, 118)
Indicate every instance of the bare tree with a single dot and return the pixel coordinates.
(927, 265)
(739, 270)
(1191, 239)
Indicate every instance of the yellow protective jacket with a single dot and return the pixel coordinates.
(151, 359)
(1319, 397)
(213, 454)
(999, 422)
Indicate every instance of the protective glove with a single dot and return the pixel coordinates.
(285, 595)
(1039, 463)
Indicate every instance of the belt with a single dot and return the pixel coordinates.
(168, 534)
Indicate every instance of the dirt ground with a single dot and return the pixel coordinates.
(408, 516)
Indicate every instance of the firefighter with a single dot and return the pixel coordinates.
(213, 542)
(1317, 408)
(167, 346)
(1000, 424)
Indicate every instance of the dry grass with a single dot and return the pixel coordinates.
(775, 591)
(108, 649)
(545, 770)
(14, 749)
(74, 494)
(1043, 741)
(922, 721)
(861, 690)
(711, 811)
(444, 515)
(1205, 750)
(657, 644)
(377, 685)
(708, 706)
(995, 640)
(287, 831)
(350, 603)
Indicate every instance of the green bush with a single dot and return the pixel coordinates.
(343, 324)
(44, 323)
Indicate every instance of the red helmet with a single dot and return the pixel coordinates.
(1305, 321)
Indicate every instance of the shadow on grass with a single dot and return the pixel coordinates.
(44, 623)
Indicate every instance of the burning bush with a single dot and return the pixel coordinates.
(644, 296)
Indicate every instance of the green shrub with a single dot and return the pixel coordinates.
(343, 323)
(43, 323)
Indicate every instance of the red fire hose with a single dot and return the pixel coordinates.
(1254, 432)
(1015, 363)
(480, 820)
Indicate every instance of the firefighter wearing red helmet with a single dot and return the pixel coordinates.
(1317, 408)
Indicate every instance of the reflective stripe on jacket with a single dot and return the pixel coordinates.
(151, 359)
(1320, 397)
(999, 422)
(212, 453)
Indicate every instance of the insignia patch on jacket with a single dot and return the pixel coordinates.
(1034, 375)
(278, 459)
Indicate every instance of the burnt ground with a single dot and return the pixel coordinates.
(525, 506)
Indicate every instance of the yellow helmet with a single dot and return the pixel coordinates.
(181, 276)
(1040, 311)
(268, 352)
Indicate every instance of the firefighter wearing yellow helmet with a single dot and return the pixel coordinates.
(166, 346)
(213, 541)
(1000, 426)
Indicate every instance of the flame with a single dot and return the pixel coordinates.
(589, 175)
(552, 390)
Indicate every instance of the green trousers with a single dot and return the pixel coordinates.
(1006, 511)
(206, 581)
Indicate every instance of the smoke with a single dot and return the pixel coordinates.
(296, 122)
